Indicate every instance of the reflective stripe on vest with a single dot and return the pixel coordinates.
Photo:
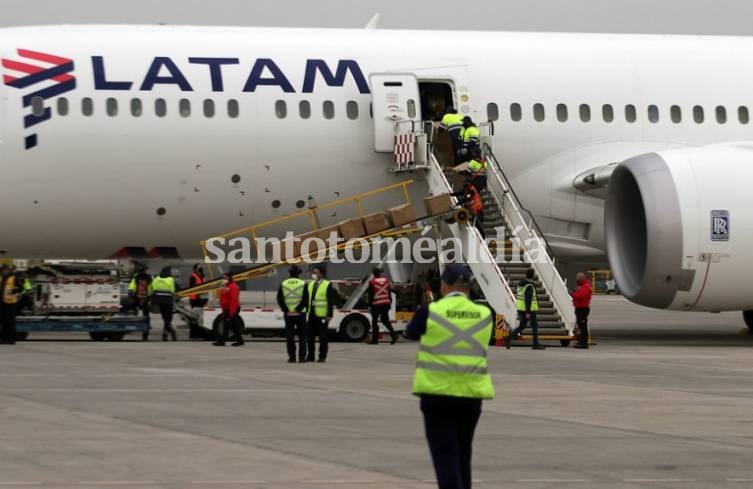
(318, 304)
(292, 291)
(520, 296)
(198, 280)
(452, 355)
(381, 292)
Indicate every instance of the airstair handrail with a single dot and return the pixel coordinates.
(509, 189)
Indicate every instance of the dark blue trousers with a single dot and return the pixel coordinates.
(524, 323)
(299, 323)
(450, 423)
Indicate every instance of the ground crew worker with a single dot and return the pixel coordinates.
(527, 304)
(582, 303)
(471, 136)
(452, 376)
(452, 122)
(11, 289)
(27, 300)
(477, 170)
(380, 301)
(293, 297)
(140, 290)
(230, 302)
(197, 278)
(322, 299)
(470, 198)
(163, 291)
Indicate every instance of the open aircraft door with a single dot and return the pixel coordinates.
(395, 99)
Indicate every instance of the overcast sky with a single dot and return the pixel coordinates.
(651, 16)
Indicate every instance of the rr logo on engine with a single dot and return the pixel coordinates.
(720, 225)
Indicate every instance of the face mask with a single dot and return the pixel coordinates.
(314, 277)
(225, 283)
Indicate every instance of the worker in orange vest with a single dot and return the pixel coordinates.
(470, 198)
(197, 278)
(380, 300)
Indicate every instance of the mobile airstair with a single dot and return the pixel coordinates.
(499, 263)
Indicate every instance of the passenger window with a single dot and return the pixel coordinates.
(184, 107)
(208, 108)
(87, 106)
(698, 114)
(328, 107)
(562, 112)
(538, 112)
(281, 109)
(585, 112)
(653, 114)
(630, 114)
(743, 115)
(607, 113)
(304, 109)
(37, 106)
(160, 107)
(675, 113)
(137, 108)
(111, 106)
(63, 106)
(492, 112)
(351, 109)
(233, 109)
(516, 113)
(411, 108)
(721, 114)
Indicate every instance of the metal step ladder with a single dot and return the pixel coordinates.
(497, 271)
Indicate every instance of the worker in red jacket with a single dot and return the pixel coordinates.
(380, 301)
(582, 302)
(230, 302)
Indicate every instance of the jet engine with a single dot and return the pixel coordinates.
(679, 228)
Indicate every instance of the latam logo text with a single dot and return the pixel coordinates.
(264, 72)
(41, 76)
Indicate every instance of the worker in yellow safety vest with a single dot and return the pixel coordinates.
(140, 292)
(322, 299)
(452, 376)
(452, 123)
(527, 304)
(12, 289)
(471, 137)
(293, 299)
(163, 291)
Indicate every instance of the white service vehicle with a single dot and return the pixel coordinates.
(82, 296)
(352, 322)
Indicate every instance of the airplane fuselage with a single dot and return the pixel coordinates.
(165, 136)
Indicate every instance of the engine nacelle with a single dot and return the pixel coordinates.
(679, 228)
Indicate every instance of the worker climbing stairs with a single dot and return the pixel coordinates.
(519, 247)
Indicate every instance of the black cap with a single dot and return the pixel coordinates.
(295, 271)
(456, 274)
(318, 267)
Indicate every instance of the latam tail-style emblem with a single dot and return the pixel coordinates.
(50, 76)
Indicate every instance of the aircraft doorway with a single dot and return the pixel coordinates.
(436, 96)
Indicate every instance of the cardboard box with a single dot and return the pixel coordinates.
(279, 250)
(401, 215)
(438, 204)
(352, 228)
(324, 233)
(376, 222)
(313, 246)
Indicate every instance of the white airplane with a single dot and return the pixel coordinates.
(118, 137)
